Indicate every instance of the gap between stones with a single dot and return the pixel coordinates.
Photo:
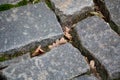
(84, 52)
(103, 9)
(101, 12)
(4, 7)
(69, 23)
(8, 6)
(89, 57)
(18, 53)
(73, 34)
(88, 73)
(46, 48)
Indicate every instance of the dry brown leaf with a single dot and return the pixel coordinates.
(86, 59)
(93, 68)
(57, 43)
(67, 29)
(62, 41)
(74, 25)
(54, 45)
(68, 36)
(38, 51)
(50, 46)
(92, 64)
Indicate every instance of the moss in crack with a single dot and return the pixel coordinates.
(103, 9)
(115, 27)
(4, 7)
(3, 58)
(21, 3)
(49, 4)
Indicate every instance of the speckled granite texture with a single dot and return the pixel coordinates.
(70, 11)
(9, 1)
(61, 63)
(21, 28)
(102, 42)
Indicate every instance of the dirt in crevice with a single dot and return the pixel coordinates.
(100, 6)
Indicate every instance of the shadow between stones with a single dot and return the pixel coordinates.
(103, 9)
(69, 20)
(2, 77)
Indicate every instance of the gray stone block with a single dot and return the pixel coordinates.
(15, 60)
(9, 1)
(111, 11)
(102, 42)
(86, 77)
(113, 7)
(21, 29)
(70, 11)
(61, 63)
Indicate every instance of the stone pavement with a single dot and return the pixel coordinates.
(101, 42)
(24, 28)
(114, 10)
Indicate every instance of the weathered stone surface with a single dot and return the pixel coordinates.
(9, 1)
(113, 7)
(61, 63)
(70, 11)
(25, 27)
(86, 77)
(102, 42)
(15, 60)
(111, 11)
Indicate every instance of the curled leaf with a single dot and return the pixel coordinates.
(57, 43)
(93, 68)
(92, 64)
(50, 46)
(62, 41)
(38, 51)
(67, 29)
(67, 33)
(68, 36)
